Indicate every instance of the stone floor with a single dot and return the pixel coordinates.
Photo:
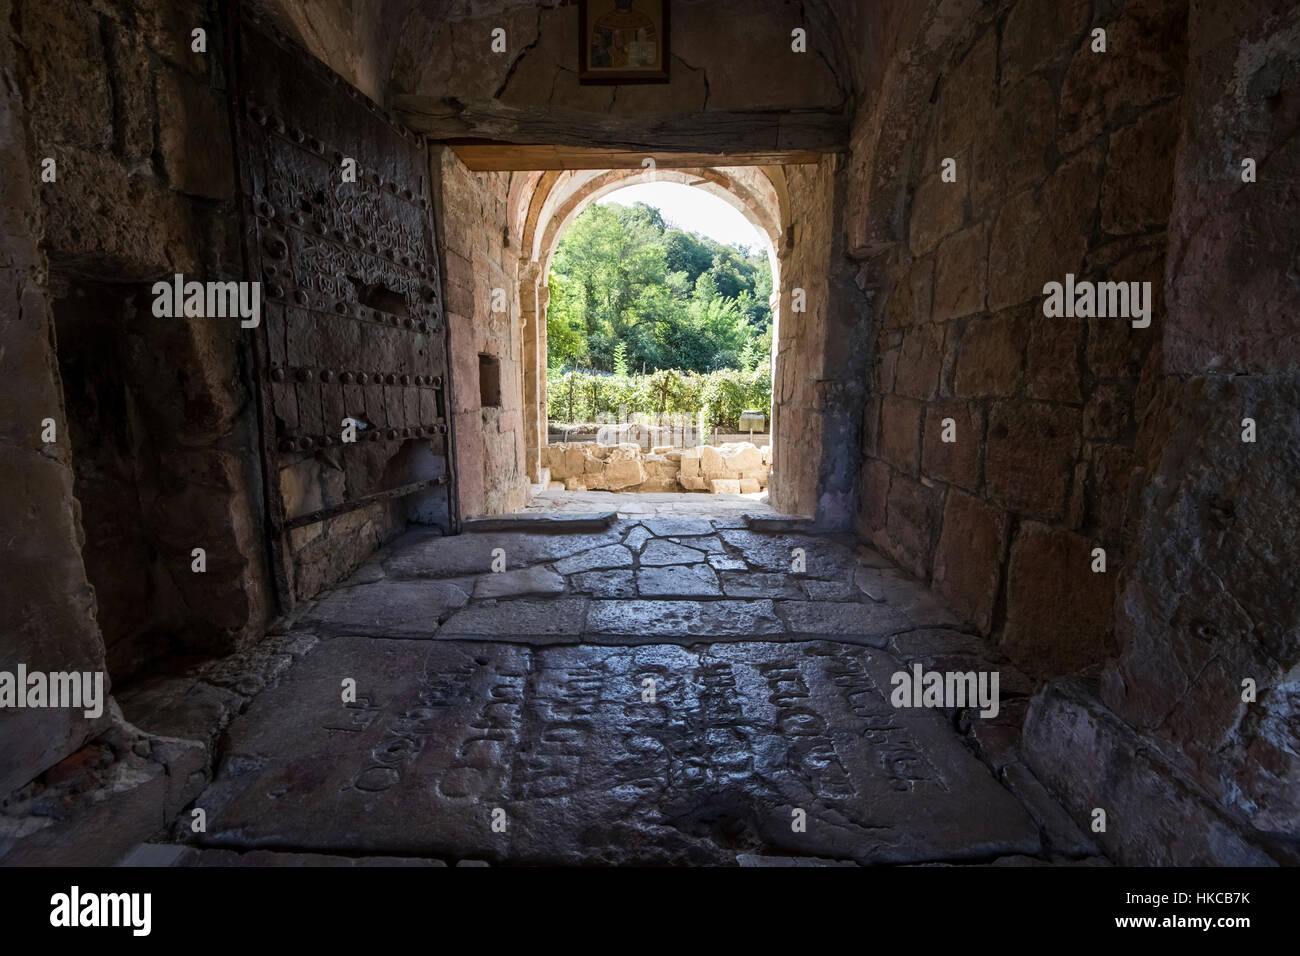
(650, 504)
(672, 690)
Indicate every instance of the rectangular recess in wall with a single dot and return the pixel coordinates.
(489, 381)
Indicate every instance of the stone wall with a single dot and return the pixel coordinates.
(1090, 433)
(445, 50)
(729, 468)
(821, 353)
(136, 125)
(1209, 597)
(1063, 164)
(474, 244)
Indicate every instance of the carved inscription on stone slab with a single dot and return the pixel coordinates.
(587, 769)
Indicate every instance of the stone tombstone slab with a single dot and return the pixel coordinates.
(589, 767)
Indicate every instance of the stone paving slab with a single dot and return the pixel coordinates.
(434, 557)
(523, 620)
(386, 608)
(674, 620)
(585, 767)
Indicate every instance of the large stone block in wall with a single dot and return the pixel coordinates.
(1052, 358)
(1058, 617)
(969, 93)
(956, 461)
(968, 559)
(71, 100)
(911, 517)
(991, 356)
(1139, 187)
(938, 210)
(194, 136)
(920, 361)
(1036, 31)
(960, 267)
(1041, 235)
(94, 219)
(900, 433)
(1011, 152)
(1029, 456)
(1146, 52)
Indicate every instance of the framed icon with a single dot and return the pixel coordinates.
(623, 41)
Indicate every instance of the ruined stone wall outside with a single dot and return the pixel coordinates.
(1064, 164)
(490, 461)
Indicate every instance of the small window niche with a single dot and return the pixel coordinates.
(489, 381)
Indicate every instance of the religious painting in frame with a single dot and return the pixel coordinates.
(623, 41)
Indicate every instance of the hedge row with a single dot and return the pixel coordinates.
(722, 395)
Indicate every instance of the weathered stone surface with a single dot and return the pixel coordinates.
(387, 608)
(1029, 456)
(1036, 31)
(678, 581)
(1138, 190)
(522, 620)
(709, 544)
(610, 556)
(193, 140)
(1089, 758)
(1058, 609)
(416, 554)
(824, 555)
(605, 584)
(960, 267)
(676, 527)
(900, 433)
(1012, 153)
(938, 209)
(968, 559)
(991, 357)
(968, 97)
(179, 707)
(588, 772)
(859, 623)
(1100, 86)
(920, 361)
(518, 583)
(677, 619)
(911, 513)
(660, 552)
(1052, 360)
(1041, 234)
(957, 461)
(760, 584)
(1211, 598)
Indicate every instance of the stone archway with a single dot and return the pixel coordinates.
(542, 207)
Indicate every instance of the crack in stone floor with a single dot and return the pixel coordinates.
(666, 691)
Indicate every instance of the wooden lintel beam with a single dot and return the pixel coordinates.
(715, 132)
(505, 157)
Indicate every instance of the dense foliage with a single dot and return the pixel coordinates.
(722, 395)
(629, 293)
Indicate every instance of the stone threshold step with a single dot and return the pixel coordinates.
(543, 523)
